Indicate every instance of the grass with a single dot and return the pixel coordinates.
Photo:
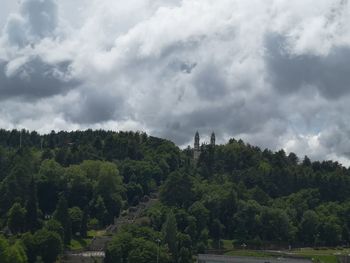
(250, 253)
(96, 233)
(324, 258)
(322, 251)
(79, 243)
(319, 255)
(323, 255)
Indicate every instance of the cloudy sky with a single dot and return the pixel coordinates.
(275, 73)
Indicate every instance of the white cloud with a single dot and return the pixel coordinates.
(171, 67)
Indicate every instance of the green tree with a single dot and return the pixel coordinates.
(15, 254)
(84, 222)
(170, 233)
(28, 242)
(76, 217)
(49, 185)
(17, 218)
(100, 211)
(201, 213)
(109, 187)
(216, 230)
(330, 231)
(49, 245)
(145, 251)
(55, 226)
(185, 255)
(62, 215)
(175, 184)
(309, 227)
(3, 248)
(32, 219)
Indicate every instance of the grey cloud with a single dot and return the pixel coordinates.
(15, 31)
(96, 107)
(41, 16)
(337, 139)
(182, 66)
(36, 19)
(210, 83)
(35, 79)
(288, 73)
(239, 117)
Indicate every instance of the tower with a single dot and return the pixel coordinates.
(196, 141)
(212, 139)
(196, 149)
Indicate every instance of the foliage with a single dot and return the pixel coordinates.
(16, 218)
(71, 182)
(136, 244)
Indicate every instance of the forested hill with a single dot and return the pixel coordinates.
(57, 187)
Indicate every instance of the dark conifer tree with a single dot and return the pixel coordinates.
(32, 220)
(84, 222)
(62, 216)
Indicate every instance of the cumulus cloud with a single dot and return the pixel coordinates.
(33, 78)
(271, 72)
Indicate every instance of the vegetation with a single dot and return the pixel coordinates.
(59, 190)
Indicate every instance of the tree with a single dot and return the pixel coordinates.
(32, 220)
(201, 213)
(17, 218)
(216, 230)
(49, 185)
(14, 187)
(79, 187)
(62, 215)
(175, 184)
(136, 244)
(109, 187)
(330, 231)
(49, 245)
(275, 225)
(84, 222)
(185, 255)
(76, 217)
(55, 226)
(170, 233)
(145, 251)
(30, 247)
(100, 211)
(309, 227)
(3, 248)
(15, 254)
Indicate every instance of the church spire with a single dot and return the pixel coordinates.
(212, 139)
(196, 141)
(196, 150)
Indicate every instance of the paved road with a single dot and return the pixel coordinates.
(207, 258)
(89, 254)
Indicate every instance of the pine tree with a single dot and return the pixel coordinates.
(84, 221)
(62, 215)
(32, 208)
(16, 218)
(170, 232)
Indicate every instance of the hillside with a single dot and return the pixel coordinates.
(57, 188)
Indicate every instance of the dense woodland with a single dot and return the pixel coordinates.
(57, 186)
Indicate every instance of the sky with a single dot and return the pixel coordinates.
(274, 73)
